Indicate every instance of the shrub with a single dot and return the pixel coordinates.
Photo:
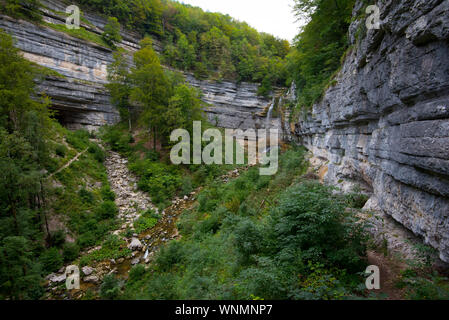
(107, 194)
(117, 139)
(136, 273)
(111, 34)
(87, 239)
(57, 238)
(170, 256)
(86, 196)
(186, 186)
(107, 210)
(147, 221)
(51, 260)
(113, 248)
(70, 252)
(78, 139)
(110, 288)
(309, 217)
(97, 152)
(61, 150)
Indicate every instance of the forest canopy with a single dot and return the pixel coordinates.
(211, 45)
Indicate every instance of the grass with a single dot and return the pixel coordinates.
(80, 33)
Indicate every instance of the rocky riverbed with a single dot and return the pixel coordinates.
(131, 203)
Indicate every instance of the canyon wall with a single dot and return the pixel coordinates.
(78, 93)
(385, 124)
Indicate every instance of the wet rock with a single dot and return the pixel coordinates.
(135, 261)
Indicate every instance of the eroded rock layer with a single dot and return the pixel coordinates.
(385, 124)
(79, 93)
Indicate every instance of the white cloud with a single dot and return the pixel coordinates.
(270, 16)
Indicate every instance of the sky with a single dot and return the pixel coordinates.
(270, 16)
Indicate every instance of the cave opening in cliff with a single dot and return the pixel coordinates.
(68, 118)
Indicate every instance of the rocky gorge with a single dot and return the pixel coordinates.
(383, 125)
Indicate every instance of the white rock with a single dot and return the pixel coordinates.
(135, 244)
(91, 279)
(57, 278)
(87, 270)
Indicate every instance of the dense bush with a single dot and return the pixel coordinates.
(61, 150)
(107, 210)
(51, 260)
(70, 252)
(110, 288)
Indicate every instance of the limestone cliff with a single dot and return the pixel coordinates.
(79, 94)
(385, 124)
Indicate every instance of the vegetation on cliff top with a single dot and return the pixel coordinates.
(318, 48)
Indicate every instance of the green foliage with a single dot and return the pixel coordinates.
(319, 47)
(147, 221)
(70, 252)
(111, 34)
(24, 126)
(107, 194)
(28, 9)
(61, 150)
(80, 33)
(97, 152)
(107, 210)
(51, 260)
(78, 139)
(112, 248)
(207, 44)
(136, 273)
(161, 181)
(110, 288)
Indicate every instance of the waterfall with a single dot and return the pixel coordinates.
(270, 112)
(146, 254)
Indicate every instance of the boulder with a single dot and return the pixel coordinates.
(135, 244)
(87, 270)
(92, 279)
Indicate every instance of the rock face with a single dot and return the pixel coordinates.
(234, 106)
(80, 96)
(385, 124)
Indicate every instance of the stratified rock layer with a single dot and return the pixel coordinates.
(385, 124)
(79, 93)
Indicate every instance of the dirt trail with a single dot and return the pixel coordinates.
(68, 164)
(390, 271)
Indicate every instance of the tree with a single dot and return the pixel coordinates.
(24, 126)
(320, 45)
(150, 84)
(111, 32)
(186, 52)
(185, 106)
